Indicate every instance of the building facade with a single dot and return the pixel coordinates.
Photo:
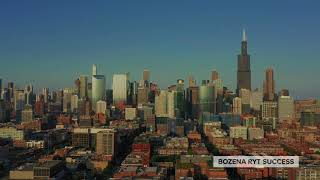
(120, 87)
(244, 70)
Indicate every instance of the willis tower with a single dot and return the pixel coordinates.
(244, 72)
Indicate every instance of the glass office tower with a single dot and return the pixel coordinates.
(207, 99)
(98, 89)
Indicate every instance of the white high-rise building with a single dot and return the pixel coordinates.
(269, 109)
(74, 103)
(285, 108)
(45, 93)
(244, 94)
(94, 70)
(67, 93)
(171, 103)
(256, 100)
(101, 107)
(106, 142)
(237, 106)
(120, 87)
(161, 104)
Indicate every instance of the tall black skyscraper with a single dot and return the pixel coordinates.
(244, 72)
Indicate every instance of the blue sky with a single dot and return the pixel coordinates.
(50, 43)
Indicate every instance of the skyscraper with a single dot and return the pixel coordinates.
(269, 86)
(120, 87)
(67, 93)
(146, 75)
(77, 86)
(134, 93)
(161, 104)
(28, 90)
(286, 108)
(19, 103)
(39, 108)
(94, 70)
(84, 107)
(218, 84)
(19, 100)
(245, 96)
(74, 103)
(45, 93)
(98, 89)
(171, 103)
(244, 71)
(256, 100)
(192, 98)
(214, 75)
(237, 106)
(27, 113)
(207, 99)
(180, 99)
(106, 142)
(192, 82)
(89, 91)
(11, 91)
(83, 86)
(143, 93)
(101, 107)
(269, 109)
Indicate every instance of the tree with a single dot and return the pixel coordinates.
(199, 176)
(81, 167)
(107, 172)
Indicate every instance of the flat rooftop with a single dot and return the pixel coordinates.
(47, 164)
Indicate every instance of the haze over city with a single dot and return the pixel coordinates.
(51, 44)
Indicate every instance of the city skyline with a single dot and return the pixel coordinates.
(159, 90)
(188, 47)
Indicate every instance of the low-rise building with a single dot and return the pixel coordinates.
(35, 144)
(239, 132)
(52, 169)
(11, 133)
(48, 169)
(130, 113)
(175, 146)
(255, 133)
(22, 172)
(140, 172)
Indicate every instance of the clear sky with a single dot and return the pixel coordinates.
(50, 43)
